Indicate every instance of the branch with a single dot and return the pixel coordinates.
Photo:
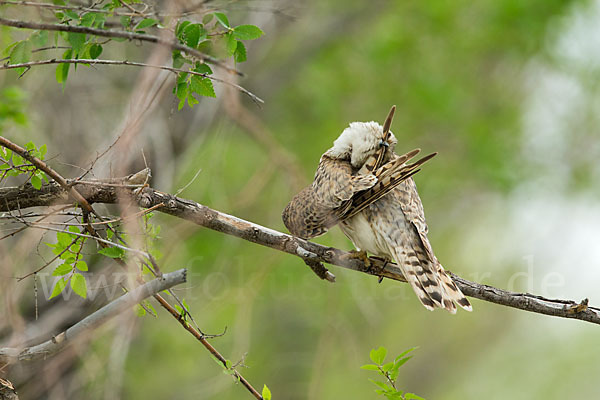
(172, 44)
(92, 321)
(30, 64)
(309, 252)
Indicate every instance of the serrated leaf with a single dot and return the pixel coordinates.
(112, 252)
(61, 284)
(202, 68)
(62, 269)
(76, 40)
(64, 239)
(36, 182)
(95, 50)
(81, 265)
(266, 393)
(370, 367)
(222, 18)
(240, 53)
(202, 86)
(181, 90)
(146, 23)
(79, 285)
(247, 32)
(378, 355)
(191, 35)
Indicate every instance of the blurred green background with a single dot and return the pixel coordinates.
(505, 90)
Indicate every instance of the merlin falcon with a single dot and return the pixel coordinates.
(363, 186)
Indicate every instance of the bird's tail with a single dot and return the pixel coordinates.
(432, 285)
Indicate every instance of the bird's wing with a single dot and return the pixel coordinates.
(389, 176)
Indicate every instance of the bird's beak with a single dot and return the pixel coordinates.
(383, 143)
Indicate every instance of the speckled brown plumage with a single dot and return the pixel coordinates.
(363, 186)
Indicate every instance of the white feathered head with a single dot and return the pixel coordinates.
(360, 141)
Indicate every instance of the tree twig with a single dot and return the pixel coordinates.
(172, 44)
(94, 320)
(309, 251)
(30, 64)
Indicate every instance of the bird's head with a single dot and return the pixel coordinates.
(359, 141)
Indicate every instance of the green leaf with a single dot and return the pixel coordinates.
(61, 284)
(79, 285)
(36, 182)
(180, 28)
(202, 68)
(178, 59)
(402, 361)
(139, 310)
(64, 239)
(62, 269)
(388, 366)
(71, 14)
(20, 54)
(39, 38)
(202, 86)
(125, 21)
(77, 41)
(62, 70)
(181, 90)
(247, 32)
(222, 18)
(207, 18)
(382, 385)
(231, 44)
(88, 19)
(43, 149)
(240, 53)
(74, 229)
(412, 396)
(81, 265)
(370, 367)
(191, 35)
(95, 51)
(146, 23)
(112, 252)
(377, 356)
(266, 393)
(405, 353)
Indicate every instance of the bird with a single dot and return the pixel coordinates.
(363, 186)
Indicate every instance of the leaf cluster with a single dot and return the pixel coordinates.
(12, 164)
(389, 371)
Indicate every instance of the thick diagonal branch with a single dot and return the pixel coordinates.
(308, 251)
(94, 320)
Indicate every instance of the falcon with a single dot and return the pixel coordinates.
(363, 186)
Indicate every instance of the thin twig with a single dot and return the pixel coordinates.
(30, 64)
(172, 44)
